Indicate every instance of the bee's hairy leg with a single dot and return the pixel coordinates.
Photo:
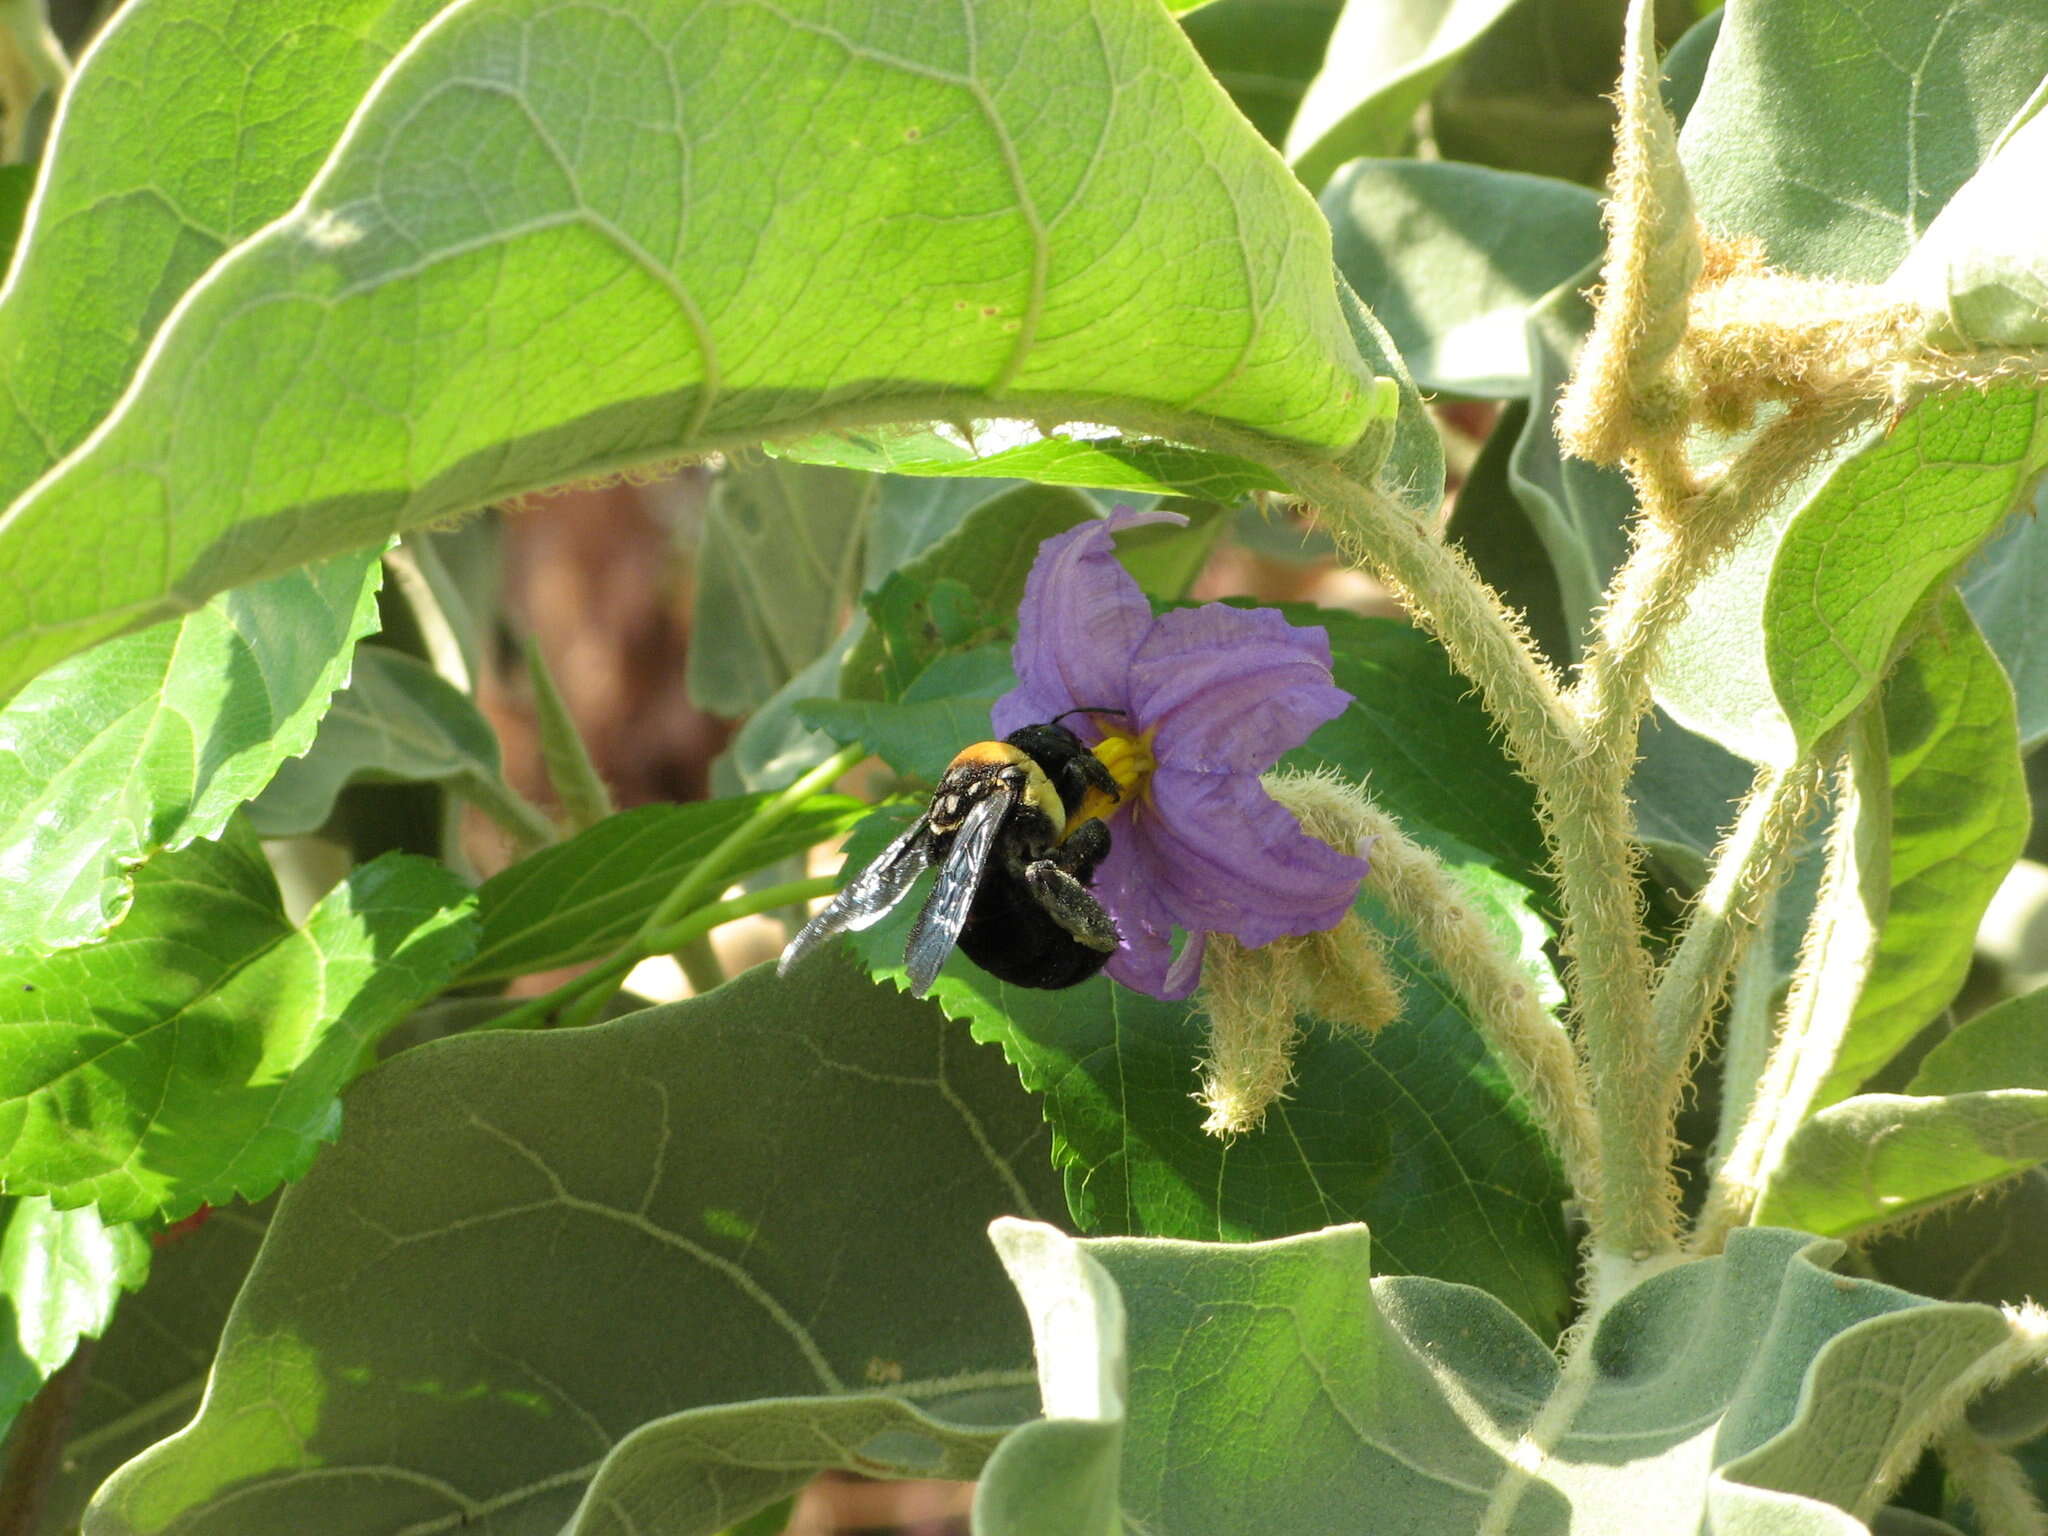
(1070, 904)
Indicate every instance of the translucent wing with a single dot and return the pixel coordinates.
(945, 911)
(868, 897)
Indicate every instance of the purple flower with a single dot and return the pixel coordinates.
(1210, 698)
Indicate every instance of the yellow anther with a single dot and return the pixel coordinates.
(1130, 762)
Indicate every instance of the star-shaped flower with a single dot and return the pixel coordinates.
(1191, 707)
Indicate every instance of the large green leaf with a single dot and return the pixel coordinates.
(194, 1054)
(1271, 1388)
(1958, 818)
(583, 897)
(149, 741)
(558, 1239)
(1881, 1157)
(1451, 257)
(412, 340)
(1983, 263)
(777, 571)
(180, 136)
(1764, 148)
(61, 1272)
(397, 721)
(1897, 518)
(1975, 1112)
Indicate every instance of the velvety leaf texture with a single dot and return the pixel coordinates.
(413, 339)
(1271, 1388)
(194, 1055)
(532, 1252)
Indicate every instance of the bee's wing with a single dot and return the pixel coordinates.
(945, 910)
(869, 895)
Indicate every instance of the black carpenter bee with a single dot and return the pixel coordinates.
(1013, 881)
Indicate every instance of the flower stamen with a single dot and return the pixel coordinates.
(1130, 762)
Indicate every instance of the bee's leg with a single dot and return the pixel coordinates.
(1070, 904)
(1081, 852)
(1095, 774)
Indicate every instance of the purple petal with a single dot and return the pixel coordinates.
(1144, 962)
(1230, 689)
(1214, 852)
(1081, 621)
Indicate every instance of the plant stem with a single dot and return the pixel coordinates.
(35, 1453)
(1833, 960)
(1752, 861)
(1582, 801)
(700, 966)
(571, 1002)
(578, 785)
(1531, 1047)
(430, 592)
(518, 817)
(710, 873)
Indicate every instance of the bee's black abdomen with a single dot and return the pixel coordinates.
(1014, 939)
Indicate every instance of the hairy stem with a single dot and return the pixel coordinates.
(1833, 960)
(518, 817)
(1750, 864)
(1583, 803)
(1531, 1047)
(1997, 1486)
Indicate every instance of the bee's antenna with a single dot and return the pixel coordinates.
(1087, 709)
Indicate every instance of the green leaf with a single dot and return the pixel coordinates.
(406, 343)
(1069, 455)
(1270, 1389)
(1489, 522)
(2005, 1046)
(1414, 1130)
(584, 797)
(1579, 510)
(398, 721)
(1982, 265)
(149, 1367)
(945, 709)
(585, 896)
(194, 1055)
(989, 553)
(16, 182)
(495, 1185)
(1881, 1157)
(175, 140)
(61, 1273)
(1384, 58)
(1896, 519)
(1416, 736)
(1763, 146)
(2006, 586)
(1958, 819)
(1264, 52)
(1451, 257)
(152, 740)
(1533, 91)
(777, 570)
